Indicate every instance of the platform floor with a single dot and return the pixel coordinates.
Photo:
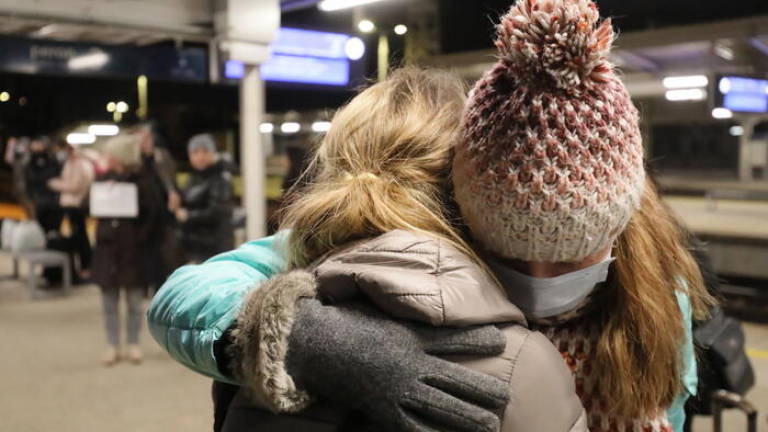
(51, 378)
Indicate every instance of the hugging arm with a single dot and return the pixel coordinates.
(274, 333)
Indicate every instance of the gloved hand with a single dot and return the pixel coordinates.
(355, 356)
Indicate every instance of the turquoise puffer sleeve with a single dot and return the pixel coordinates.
(198, 303)
(676, 412)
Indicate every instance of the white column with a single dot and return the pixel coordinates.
(745, 147)
(252, 157)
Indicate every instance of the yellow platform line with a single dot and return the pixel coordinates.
(757, 353)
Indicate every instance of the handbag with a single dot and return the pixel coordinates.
(723, 362)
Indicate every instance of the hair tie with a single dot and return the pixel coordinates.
(362, 176)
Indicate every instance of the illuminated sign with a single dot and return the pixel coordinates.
(306, 57)
(742, 94)
(307, 70)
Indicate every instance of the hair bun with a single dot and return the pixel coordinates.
(560, 41)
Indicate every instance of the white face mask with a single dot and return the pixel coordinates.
(547, 297)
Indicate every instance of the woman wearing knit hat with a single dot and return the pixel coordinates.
(550, 180)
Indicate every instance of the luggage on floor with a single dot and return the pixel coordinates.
(722, 400)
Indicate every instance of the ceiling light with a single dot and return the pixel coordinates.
(724, 85)
(77, 138)
(290, 127)
(366, 26)
(686, 81)
(321, 126)
(266, 128)
(722, 113)
(401, 29)
(355, 48)
(686, 95)
(121, 107)
(103, 130)
(111, 107)
(737, 130)
(334, 5)
(5, 97)
(92, 60)
(724, 52)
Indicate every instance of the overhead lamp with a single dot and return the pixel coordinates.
(722, 113)
(111, 107)
(401, 29)
(121, 107)
(724, 52)
(5, 96)
(79, 138)
(686, 95)
(321, 126)
(334, 5)
(355, 48)
(689, 81)
(290, 127)
(92, 60)
(266, 128)
(103, 129)
(737, 130)
(366, 26)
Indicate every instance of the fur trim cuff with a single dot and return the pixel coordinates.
(260, 341)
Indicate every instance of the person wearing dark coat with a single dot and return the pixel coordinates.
(120, 245)
(162, 252)
(205, 209)
(41, 167)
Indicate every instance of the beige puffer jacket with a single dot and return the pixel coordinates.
(416, 277)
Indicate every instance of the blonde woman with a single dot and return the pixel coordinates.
(371, 226)
(119, 247)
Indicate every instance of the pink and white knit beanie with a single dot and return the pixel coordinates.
(550, 167)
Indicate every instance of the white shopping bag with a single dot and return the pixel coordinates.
(114, 200)
(27, 236)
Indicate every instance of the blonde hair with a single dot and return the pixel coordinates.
(638, 352)
(383, 165)
(124, 148)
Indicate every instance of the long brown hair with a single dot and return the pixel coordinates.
(638, 353)
(383, 165)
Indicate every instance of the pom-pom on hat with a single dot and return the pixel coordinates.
(550, 167)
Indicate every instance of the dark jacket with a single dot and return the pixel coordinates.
(162, 253)
(121, 242)
(40, 168)
(208, 201)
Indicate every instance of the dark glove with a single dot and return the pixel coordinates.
(355, 356)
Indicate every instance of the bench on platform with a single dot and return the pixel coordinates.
(43, 258)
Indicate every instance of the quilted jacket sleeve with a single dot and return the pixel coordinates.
(198, 303)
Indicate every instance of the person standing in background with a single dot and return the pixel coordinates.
(39, 169)
(162, 252)
(73, 185)
(120, 244)
(205, 208)
(17, 155)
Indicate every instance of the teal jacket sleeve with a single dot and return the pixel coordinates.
(676, 412)
(198, 303)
